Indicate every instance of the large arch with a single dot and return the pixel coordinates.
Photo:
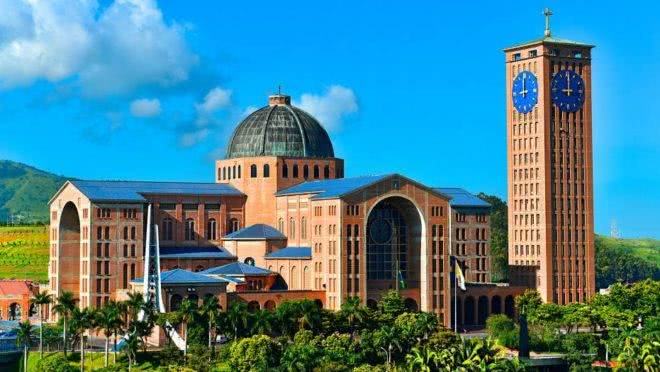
(69, 250)
(468, 318)
(509, 306)
(15, 311)
(482, 310)
(395, 248)
(496, 305)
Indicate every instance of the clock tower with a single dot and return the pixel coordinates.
(549, 159)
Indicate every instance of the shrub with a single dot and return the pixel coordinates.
(170, 355)
(55, 363)
(503, 329)
(256, 353)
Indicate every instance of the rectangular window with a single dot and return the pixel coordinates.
(516, 56)
(532, 53)
(167, 206)
(577, 54)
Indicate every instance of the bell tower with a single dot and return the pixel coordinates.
(550, 170)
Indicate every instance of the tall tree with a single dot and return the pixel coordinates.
(262, 322)
(187, 313)
(41, 299)
(23, 337)
(108, 319)
(81, 321)
(64, 307)
(354, 312)
(237, 317)
(211, 311)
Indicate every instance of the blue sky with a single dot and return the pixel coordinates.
(145, 90)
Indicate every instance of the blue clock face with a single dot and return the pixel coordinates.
(525, 92)
(567, 89)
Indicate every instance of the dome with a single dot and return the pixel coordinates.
(280, 129)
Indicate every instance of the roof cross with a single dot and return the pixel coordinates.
(547, 13)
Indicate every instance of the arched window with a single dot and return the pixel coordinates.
(293, 278)
(219, 174)
(125, 250)
(233, 172)
(233, 226)
(316, 171)
(356, 231)
(305, 171)
(125, 232)
(280, 225)
(239, 171)
(292, 228)
(190, 229)
(133, 233)
(303, 228)
(211, 228)
(285, 171)
(99, 232)
(266, 170)
(132, 251)
(124, 281)
(326, 171)
(224, 173)
(295, 171)
(107, 232)
(167, 229)
(253, 171)
(249, 261)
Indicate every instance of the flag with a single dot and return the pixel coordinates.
(399, 277)
(460, 279)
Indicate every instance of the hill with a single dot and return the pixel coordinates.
(24, 253)
(25, 191)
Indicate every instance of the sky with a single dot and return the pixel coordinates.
(145, 90)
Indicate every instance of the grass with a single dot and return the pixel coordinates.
(645, 249)
(24, 253)
(93, 361)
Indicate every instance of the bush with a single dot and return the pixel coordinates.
(198, 358)
(170, 355)
(256, 353)
(502, 328)
(55, 363)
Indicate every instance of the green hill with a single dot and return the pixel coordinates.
(25, 191)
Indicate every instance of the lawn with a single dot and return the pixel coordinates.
(24, 253)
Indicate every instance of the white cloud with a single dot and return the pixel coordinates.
(145, 108)
(216, 99)
(127, 45)
(331, 107)
(194, 137)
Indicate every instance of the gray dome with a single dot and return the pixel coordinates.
(280, 129)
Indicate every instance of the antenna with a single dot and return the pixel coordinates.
(614, 230)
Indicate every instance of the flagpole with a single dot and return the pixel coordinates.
(455, 299)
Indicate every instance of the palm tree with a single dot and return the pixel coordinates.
(187, 312)
(309, 315)
(131, 347)
(262, 322)
(81, 321)
(108, 319)
(424, 360)
(64, 307)
(23, 337)
(211, 310)
(134, 304)
(354, 313)
(41, 299)
(387, 339)
(237, 317)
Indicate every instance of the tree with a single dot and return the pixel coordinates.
(387, 338)
(134, 304)
(237, 318)
(353, 312)
(108, 319)
(23, 336)
(640, 355)
(131, 346)
(304, 354)
(187, 312)
(262, 322)
(528, 302)
(391, 305)
(41, 299)
(211, 311)
(81, 321)
(256, 353)
(64, 307)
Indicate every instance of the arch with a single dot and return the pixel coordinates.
(249, 261)
(293, 278)
(253, 306)
(400, 227)
(211, 229)
(372, 304)
(285, 171)
(410, 304)
(175, 302)
(292, 228)
(15, 311)
(306, 277)
(269, 305)
(239, 171)
(317, 172)
(253, 171)
(482, 310)
(326, 171)
(189, 229)
(232, 225)
(303, 228)
(280, 225)
(496, 305)
(295, 171)
(194, 298)
(468, 306)
(305, 171)
(33, 310)
(509, 308)
(69, 250)
(199, 268)
(319, 303)
(266, 171)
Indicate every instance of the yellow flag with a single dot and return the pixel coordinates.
(460, 279)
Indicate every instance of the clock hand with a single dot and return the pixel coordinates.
(524, 91)
(568, 89)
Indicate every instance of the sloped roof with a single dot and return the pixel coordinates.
(237, 269)
(332, 188)
(462, 198)
(194, 252)
(258, 231)
(549, 40)
(180, 276)
(134, 191)
(15, 288)
(291, 252)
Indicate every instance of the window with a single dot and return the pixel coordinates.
(133, 233)
(316, 171)
(303, 228)
(532, 53)
(107, 232)
(295, 171)
(577, 54)
(125, 232)
(305, 171)
(239, 171)
(233, 225)
(326, 171)
(233, 172)
(266, 170)
(253, 171)
(211, 229)
(516, 57)
(224, 173)
(167, 229)
(219, 174)
(125, 250)
(285, 171)
(292, 228)
(280, 225)
(132, 250)
(190, 229)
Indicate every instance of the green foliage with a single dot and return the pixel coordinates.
(626, 260)
(256, 353)
(391, 305)
(198, 358)
(641, 354)
(170, 355)
(503, 329)
(24, 252)
(55, 363)
(499, 237)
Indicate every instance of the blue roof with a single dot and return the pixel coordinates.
(462, 198)
(236, 269)
(291, 252)
(180, 276)
(133, 191)
(258, 231)
(332, 188)
(194, 252)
